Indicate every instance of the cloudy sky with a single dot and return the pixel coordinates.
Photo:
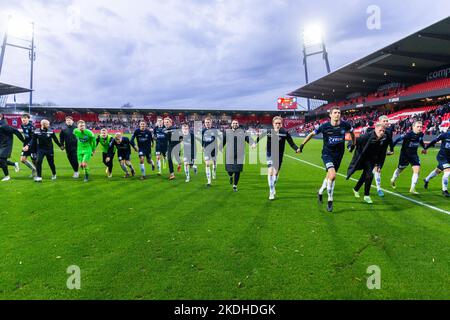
(193, 53)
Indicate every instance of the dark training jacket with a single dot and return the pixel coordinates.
(7, 138)
(367, 151)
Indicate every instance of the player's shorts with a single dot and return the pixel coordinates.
(123, 155)
(161, 149)
(443, 161)
(331, 160)
(147, 153)
(30, 153)
(26, 153)
(274, 163)
(211, 156)
(84, 156)
(189, 160)
(408, 159)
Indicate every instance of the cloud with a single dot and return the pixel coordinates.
(211, 54)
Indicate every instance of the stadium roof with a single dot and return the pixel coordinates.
(6, 89)
(407, 61)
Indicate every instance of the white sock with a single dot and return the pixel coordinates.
(431, 176)
(445, 181)
(29, 165)
(330, 188)
(324, 186)
(186, 171)
(143, 169)
(214, 168)
(377, 176)
(158, 164)
(124, 168)
(275, 180)
(208, 174)
(415, 178)
(271, 180)
(396, 174)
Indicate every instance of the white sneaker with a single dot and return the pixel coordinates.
(76, 175)
(16, 167)
(54, 177)
(368, 200)
(272, 196)
(187, 180)
(38, 179)
(7, 178)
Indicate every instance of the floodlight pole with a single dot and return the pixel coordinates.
(324, 53)
(32, 59)
(4, 43)
(325, 56)
(305, 64)
(32, 56)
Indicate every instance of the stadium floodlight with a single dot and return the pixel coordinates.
(24, 31)
(313, 35)
(20, 28)
(313, 43)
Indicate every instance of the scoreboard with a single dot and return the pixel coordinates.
(287, 103)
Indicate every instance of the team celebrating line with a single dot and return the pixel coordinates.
(370, 151)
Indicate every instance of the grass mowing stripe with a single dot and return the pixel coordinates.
(384, 190)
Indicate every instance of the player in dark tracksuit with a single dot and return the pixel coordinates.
(333, 150)
(42, 141)
(173, 136)
(161, 143)
(123, 146)
(70, 143)
(275, 147)
(443, 159)
(210, 145)
(408, 154)
(144, 139)
(369, 148)
(381, 157)
(189, 151)
(7, 134)
(27, 130)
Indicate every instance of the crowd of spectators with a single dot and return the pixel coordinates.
(363, 118)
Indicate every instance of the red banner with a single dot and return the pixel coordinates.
(13, 120)
(287, 103)
(290, 123)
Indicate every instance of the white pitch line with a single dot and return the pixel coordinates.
(386, 191)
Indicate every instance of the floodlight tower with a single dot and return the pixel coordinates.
(23, 31)
(313, 44)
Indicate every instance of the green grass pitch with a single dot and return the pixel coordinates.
(156, 239)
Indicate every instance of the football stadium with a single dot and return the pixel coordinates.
(137, 202)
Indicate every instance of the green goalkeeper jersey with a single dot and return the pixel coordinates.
(86, 140)
(104, 142)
